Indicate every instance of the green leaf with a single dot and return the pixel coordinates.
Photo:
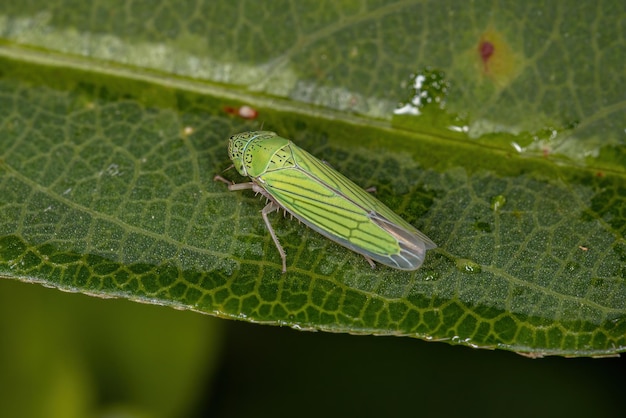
(114, 123)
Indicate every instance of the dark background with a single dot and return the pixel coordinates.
(272, 371)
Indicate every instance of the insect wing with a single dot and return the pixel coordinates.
(331, 204)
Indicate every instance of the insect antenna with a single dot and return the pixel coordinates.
(228, 168)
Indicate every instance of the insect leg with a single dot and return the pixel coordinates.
(235, 186)
(370, 261)
(222, 179)
(271, 207)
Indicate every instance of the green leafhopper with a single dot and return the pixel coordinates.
(323, 199)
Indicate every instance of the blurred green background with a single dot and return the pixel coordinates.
(71, 355)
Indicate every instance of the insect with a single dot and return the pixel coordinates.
(323, 199)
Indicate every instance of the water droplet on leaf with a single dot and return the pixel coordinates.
(468, 266)
(497, 202)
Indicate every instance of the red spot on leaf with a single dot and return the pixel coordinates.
(245, 112)
(486, 50)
